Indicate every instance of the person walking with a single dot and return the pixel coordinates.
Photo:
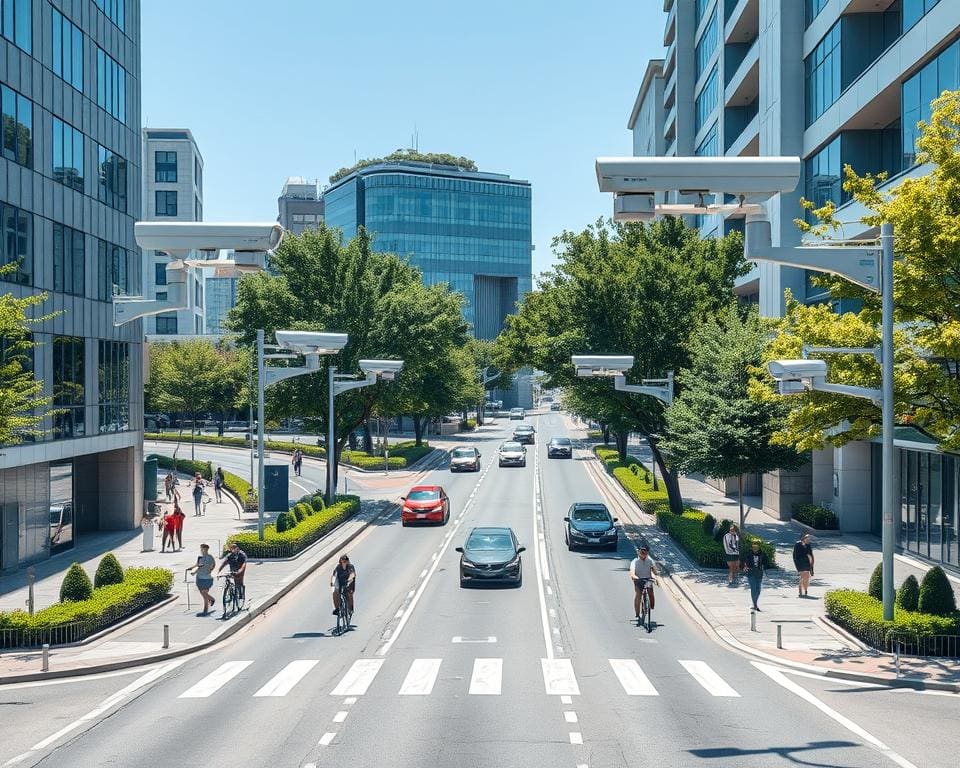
(178, 529)
(197, 495)
(204, 570)
(169, 528)
(297, 461)
(731, 549)
(168, 486)
(803, 560)
(218, 481)
(755, 562)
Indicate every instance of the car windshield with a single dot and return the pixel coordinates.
(489, 541)
(523, 429)
(591, 515)
(561, 441)
(423, 496)
(463, 453)
(511, 447)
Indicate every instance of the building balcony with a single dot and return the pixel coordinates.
(747, 142)
(743, 21)
(670, 91)
(670, 123)
(743, 87)
(670, 60)
(670, 31)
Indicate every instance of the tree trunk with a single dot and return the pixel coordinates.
(220, 426)
(367, 437)
(606, 435)
(621, 439)
(418, 429)
(740, 496)
(671, 480)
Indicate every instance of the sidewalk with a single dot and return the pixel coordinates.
(842, 561)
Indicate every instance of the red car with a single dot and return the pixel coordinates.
(425, 504)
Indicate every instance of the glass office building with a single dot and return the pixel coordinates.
(220, 296)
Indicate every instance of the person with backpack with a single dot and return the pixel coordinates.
(218, 481)
(803, 561)
(755, 563)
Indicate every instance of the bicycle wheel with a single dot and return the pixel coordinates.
(240, 598)
(227, 597)
(644, 608)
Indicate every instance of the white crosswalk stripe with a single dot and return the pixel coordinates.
(703, 673)
(358, 678)
(421, 677)
(284, 681)
(487, 677)
(632, 678)
(215, 680)
(559, 678)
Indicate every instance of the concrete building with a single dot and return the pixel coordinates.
(834, 82)
(470, 230)
(172, 191)
(69, 196)
(300, 205)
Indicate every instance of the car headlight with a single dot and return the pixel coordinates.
(512, 563)
(467, 563)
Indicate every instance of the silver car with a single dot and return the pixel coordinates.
(512, 454)
(517, 414)
(464, 458)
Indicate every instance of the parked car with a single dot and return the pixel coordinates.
(491, 554)
(590, 524)
(555, 406)
(61, 524)
(560, 447)
(155, 422)
(464, 458)
(524, 433)
(517, 414)
(512, 454)
(425, 504)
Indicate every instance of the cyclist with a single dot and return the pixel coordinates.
(642, 571)
(344, 575)
(236, 558)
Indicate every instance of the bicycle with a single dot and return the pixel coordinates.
(234, 595)
(344, 614)
(646, 612)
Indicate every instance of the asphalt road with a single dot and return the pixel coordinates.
(554, 673)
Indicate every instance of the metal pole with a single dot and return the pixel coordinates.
(45, 658)
(31, 578)
(753, 621)
(250, 422)
(261, 376)
(780, 636)
(331, 449)
(166, 635)
(386, 451)
(889, 489)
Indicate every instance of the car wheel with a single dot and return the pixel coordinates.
(463, 584)
(404, 523)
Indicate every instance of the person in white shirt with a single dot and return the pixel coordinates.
(642, 571)
(731, 549)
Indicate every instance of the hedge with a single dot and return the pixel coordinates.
(816, 516)
(862, 616)
(300, 536)
(187, 466)
(141, 588)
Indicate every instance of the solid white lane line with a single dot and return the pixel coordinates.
(576, 737)
(487, 677)
(782, 680)
(283, 682)
(559, 678)
(632, 678)
(398, 614)
(421, 677)
(423, 573)
(570, 717)
(215, 680)
(540, 564)
(488, 639)
(340, 716)
(704, 674)
(358, 678)
(326, 739)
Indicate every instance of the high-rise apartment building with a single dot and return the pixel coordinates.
(172, 191)
(834, 82)
(465, 228)
(300, 205)
(69, 197)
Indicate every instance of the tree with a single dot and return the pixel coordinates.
(627, 289)
(715, 427)
(924, 211)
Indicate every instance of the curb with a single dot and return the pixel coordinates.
(229, 631)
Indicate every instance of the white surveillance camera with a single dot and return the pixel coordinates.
(312, 342)
(385, 369)
(634, 207)
(797, 370)
(753, 177)
(181, 237)
(790, 387)
(602, 365)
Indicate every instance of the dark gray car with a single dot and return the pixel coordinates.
(590, 524)
(491, 555)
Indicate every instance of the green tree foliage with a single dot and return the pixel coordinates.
(908, 596)
(875, 587)
(936, 593)
(109, 571)
(76, 585)
(622, 289)
(401, 155)
(714, 427)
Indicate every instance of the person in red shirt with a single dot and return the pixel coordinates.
(179, 517)
(169, 528)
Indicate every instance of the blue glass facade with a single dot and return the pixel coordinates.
(939, 75)
(220, 296)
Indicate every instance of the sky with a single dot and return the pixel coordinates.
(531, 88)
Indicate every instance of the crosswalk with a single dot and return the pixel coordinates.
(486, 678)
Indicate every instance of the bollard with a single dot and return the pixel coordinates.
(896, 656)
(166, 635)
(31, 578)
(753, 621)
(45, 658)
(780, 636)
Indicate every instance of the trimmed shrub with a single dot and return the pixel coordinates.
(238, 486)
(301, 511)
(76, 585)
(688, 531)
(285, 522)
(293, 540)
(936, 594)
(109, 571)
(862, 615)
(721, 531)
(908, 596)
(875, 588)
(816, 516)
(186, 466)
(709, 523)
(318, 503)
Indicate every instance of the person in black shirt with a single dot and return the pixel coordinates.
(236, 558)
(803, 560)
(344, 575)
(754, 563)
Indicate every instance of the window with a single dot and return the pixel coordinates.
(67, 155)
(68, 387)
(67, 50)
(16, 22)
(710, 146)
(914, 10)
(113, 377)
(165, 167)
(822, 75)
(941, 74)
(701, 9)
(17, 127)
(198, 174)
(16, 243)
(113, 10)
(824, 177)
(708, 99)
(167, 324)
(813, 9)
(160, 274)
(112, 173)
(111, 86)
(707, 45)
(114, 270)
(166, 202)
(68, 260)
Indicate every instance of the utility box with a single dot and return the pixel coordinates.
(276, 489)
(150, 468)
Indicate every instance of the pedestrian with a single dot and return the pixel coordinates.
(169, 528)
(297, 461)
(218, 481)
(803, 560)
(731, 548)
(168, 486)
(204, 570)
(755, 562)
(179, 517)
(197, 494)
(236, 559)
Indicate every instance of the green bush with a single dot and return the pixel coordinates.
(908, 596)
(862, 615)
(237, 486)
(875, 588)
(709, 523)
(936, 594)
(721, 530)
(186, 466)
(688, 530)
(816, 516)
(289, 542)
(285, 522)
(76, 585)
(318, 503)
(302, 511)
(109, 571)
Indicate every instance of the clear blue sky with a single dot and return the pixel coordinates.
(532, 88)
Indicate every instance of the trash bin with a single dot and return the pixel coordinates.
(150, 468)
(148, 527)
